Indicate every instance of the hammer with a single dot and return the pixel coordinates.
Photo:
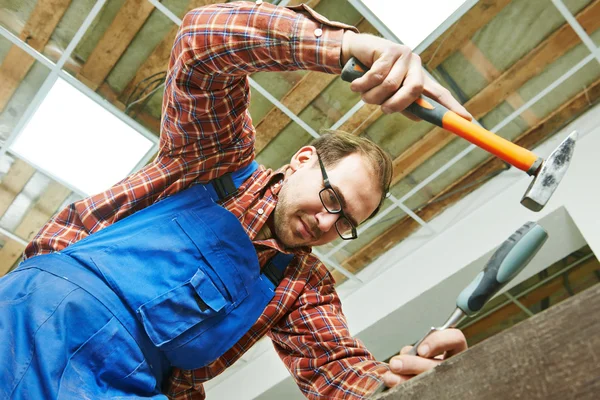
(547, 174)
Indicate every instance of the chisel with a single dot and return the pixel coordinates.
(506, 262)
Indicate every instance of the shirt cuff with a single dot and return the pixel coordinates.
(317, 42)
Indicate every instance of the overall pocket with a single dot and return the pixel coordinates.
(190, 305)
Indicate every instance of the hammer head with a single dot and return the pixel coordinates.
(548, 177)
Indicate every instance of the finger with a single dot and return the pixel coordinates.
(375, 75)
(411, 89)
(406, 349)
(391, 380)
(391, 82)
(412, 365)
(448, 342)
(443, 96)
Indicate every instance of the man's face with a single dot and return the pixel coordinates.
(300, 218)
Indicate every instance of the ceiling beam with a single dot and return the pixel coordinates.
(52, 198)
(115, 40)
(534, 62)
(297, 99)
(37, 31)
(159, 59)
(501, 88)
(13, 183)
(459, 189)
(490, 73)
(462, 30)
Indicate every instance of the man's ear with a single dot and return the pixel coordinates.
(306, 156)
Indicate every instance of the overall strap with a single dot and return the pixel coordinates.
(275, 267)
(229, 183)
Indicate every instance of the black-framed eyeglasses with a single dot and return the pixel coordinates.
(332, 203)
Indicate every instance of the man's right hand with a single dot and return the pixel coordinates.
(396, 77)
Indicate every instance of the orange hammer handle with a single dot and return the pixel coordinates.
(497, 145)
(432, 111)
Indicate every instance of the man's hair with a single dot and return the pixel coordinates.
(334, 145)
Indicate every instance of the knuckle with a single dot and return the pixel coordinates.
(404, 49)
(415, 89)
(378, 78)
(390, 83)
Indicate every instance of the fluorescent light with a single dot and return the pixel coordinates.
(78, 141)
(412, 21)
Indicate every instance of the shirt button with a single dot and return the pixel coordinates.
(259, 2)
(261, 211)
(318, 32)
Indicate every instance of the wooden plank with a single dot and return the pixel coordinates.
(530, 299)
(159, 59)
(403, 228)
(532, 64)
(363, 118)
(485, 67)
(461, 31)
(418, 152)
(296, 99)
(503, 87)
(36, 217)
(36, 32)
(550, 356)
(13, 182)
(129, 20)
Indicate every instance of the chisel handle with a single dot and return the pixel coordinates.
(506, 262)
(435, 113)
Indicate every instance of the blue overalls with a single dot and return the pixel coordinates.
(175, 284)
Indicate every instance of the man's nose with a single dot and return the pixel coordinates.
(326, 221)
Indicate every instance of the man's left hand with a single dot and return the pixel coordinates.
(435, 348)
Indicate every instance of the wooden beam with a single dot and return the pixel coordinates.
(129, 20)
(36, 33)
(362, 119)
(502, 88)
(297, 99)
(550, 356)
(35, 218)
(532, 64)
(461, 31)
(13, 182)
(530, 299)
(403, 228)
(159, 59)
(490, 73)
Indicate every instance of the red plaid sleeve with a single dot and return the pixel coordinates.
(315, 345)
(206, 129)
(207, 90)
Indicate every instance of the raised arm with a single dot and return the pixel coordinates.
(205, 107)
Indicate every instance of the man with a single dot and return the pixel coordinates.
(152, 274)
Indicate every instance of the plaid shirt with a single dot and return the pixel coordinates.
(207, 131)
